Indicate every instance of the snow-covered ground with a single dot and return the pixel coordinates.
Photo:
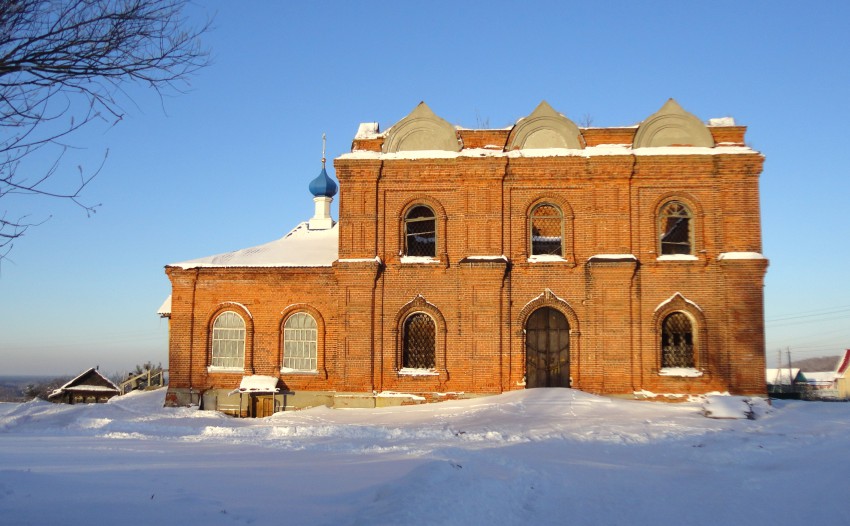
(542, 456)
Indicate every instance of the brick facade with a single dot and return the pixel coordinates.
(611, 283)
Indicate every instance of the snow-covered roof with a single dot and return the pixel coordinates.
(76, 384)
(780, 376)
(367, 130)
(86, 388)
(164, 310)
(590, 151)
(257, 383)
(820, 376)
(301, 247)
(722, 121)
(740, 255)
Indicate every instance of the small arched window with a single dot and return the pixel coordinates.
(300, 343)
(677, 341)
(419, 342)
(675, 229)
(546, 230)
(420, 232)
(228, 341)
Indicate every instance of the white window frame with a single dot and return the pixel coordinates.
(227, 347)
(300, 344)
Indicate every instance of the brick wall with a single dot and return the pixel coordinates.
(610, 205)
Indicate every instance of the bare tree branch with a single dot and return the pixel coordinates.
(65, 64)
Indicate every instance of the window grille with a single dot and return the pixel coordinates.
(675, 229)
(228, 341)
(420, 227)
(420, 335)
(547, 230)
(300, 337)
(677, 341)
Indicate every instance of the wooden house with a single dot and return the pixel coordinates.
(87, 388)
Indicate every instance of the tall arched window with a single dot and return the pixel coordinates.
(300, 342)
(419, 342)
(677, 341)
(675, 229)
(420, 232)
(546, 230)
(228, 341)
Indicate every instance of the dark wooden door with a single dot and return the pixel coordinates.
(547, 349)
(262, 406)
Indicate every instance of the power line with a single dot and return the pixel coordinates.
(820, 313)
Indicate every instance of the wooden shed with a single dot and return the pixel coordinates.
(87, 388)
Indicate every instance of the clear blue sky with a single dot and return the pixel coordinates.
(226, 165)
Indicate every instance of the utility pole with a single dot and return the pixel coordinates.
(790, 378)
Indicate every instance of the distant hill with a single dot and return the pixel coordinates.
(819, 363)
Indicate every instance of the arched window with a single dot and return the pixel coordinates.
(675, 231)
(419, 343)
(300, 341)
(420, 232)
(677, 341)
(546, 230)
(228, 341)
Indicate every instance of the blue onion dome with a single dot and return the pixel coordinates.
(323, 185)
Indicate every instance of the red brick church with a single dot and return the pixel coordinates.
(465, 262)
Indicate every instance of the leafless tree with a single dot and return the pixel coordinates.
(67, 63)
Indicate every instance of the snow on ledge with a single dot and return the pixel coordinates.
(393, 394)
(290, 370)
(367, 130)
(682, 372)
(677, 257)
(546, 258)
(590, 151)
(418, 260)
(410, 371)
(671, 298)
(722, 121)
(692, 150)
(740, 255)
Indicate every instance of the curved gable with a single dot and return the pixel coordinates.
(421, 130)
(545, 128)
(672, 126)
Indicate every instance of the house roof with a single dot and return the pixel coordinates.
(844, 365)
(780, 376)
(88, 380)
(165, 309)
(820, 377)
(301, 247)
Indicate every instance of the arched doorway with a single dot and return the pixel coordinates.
(547, 349)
